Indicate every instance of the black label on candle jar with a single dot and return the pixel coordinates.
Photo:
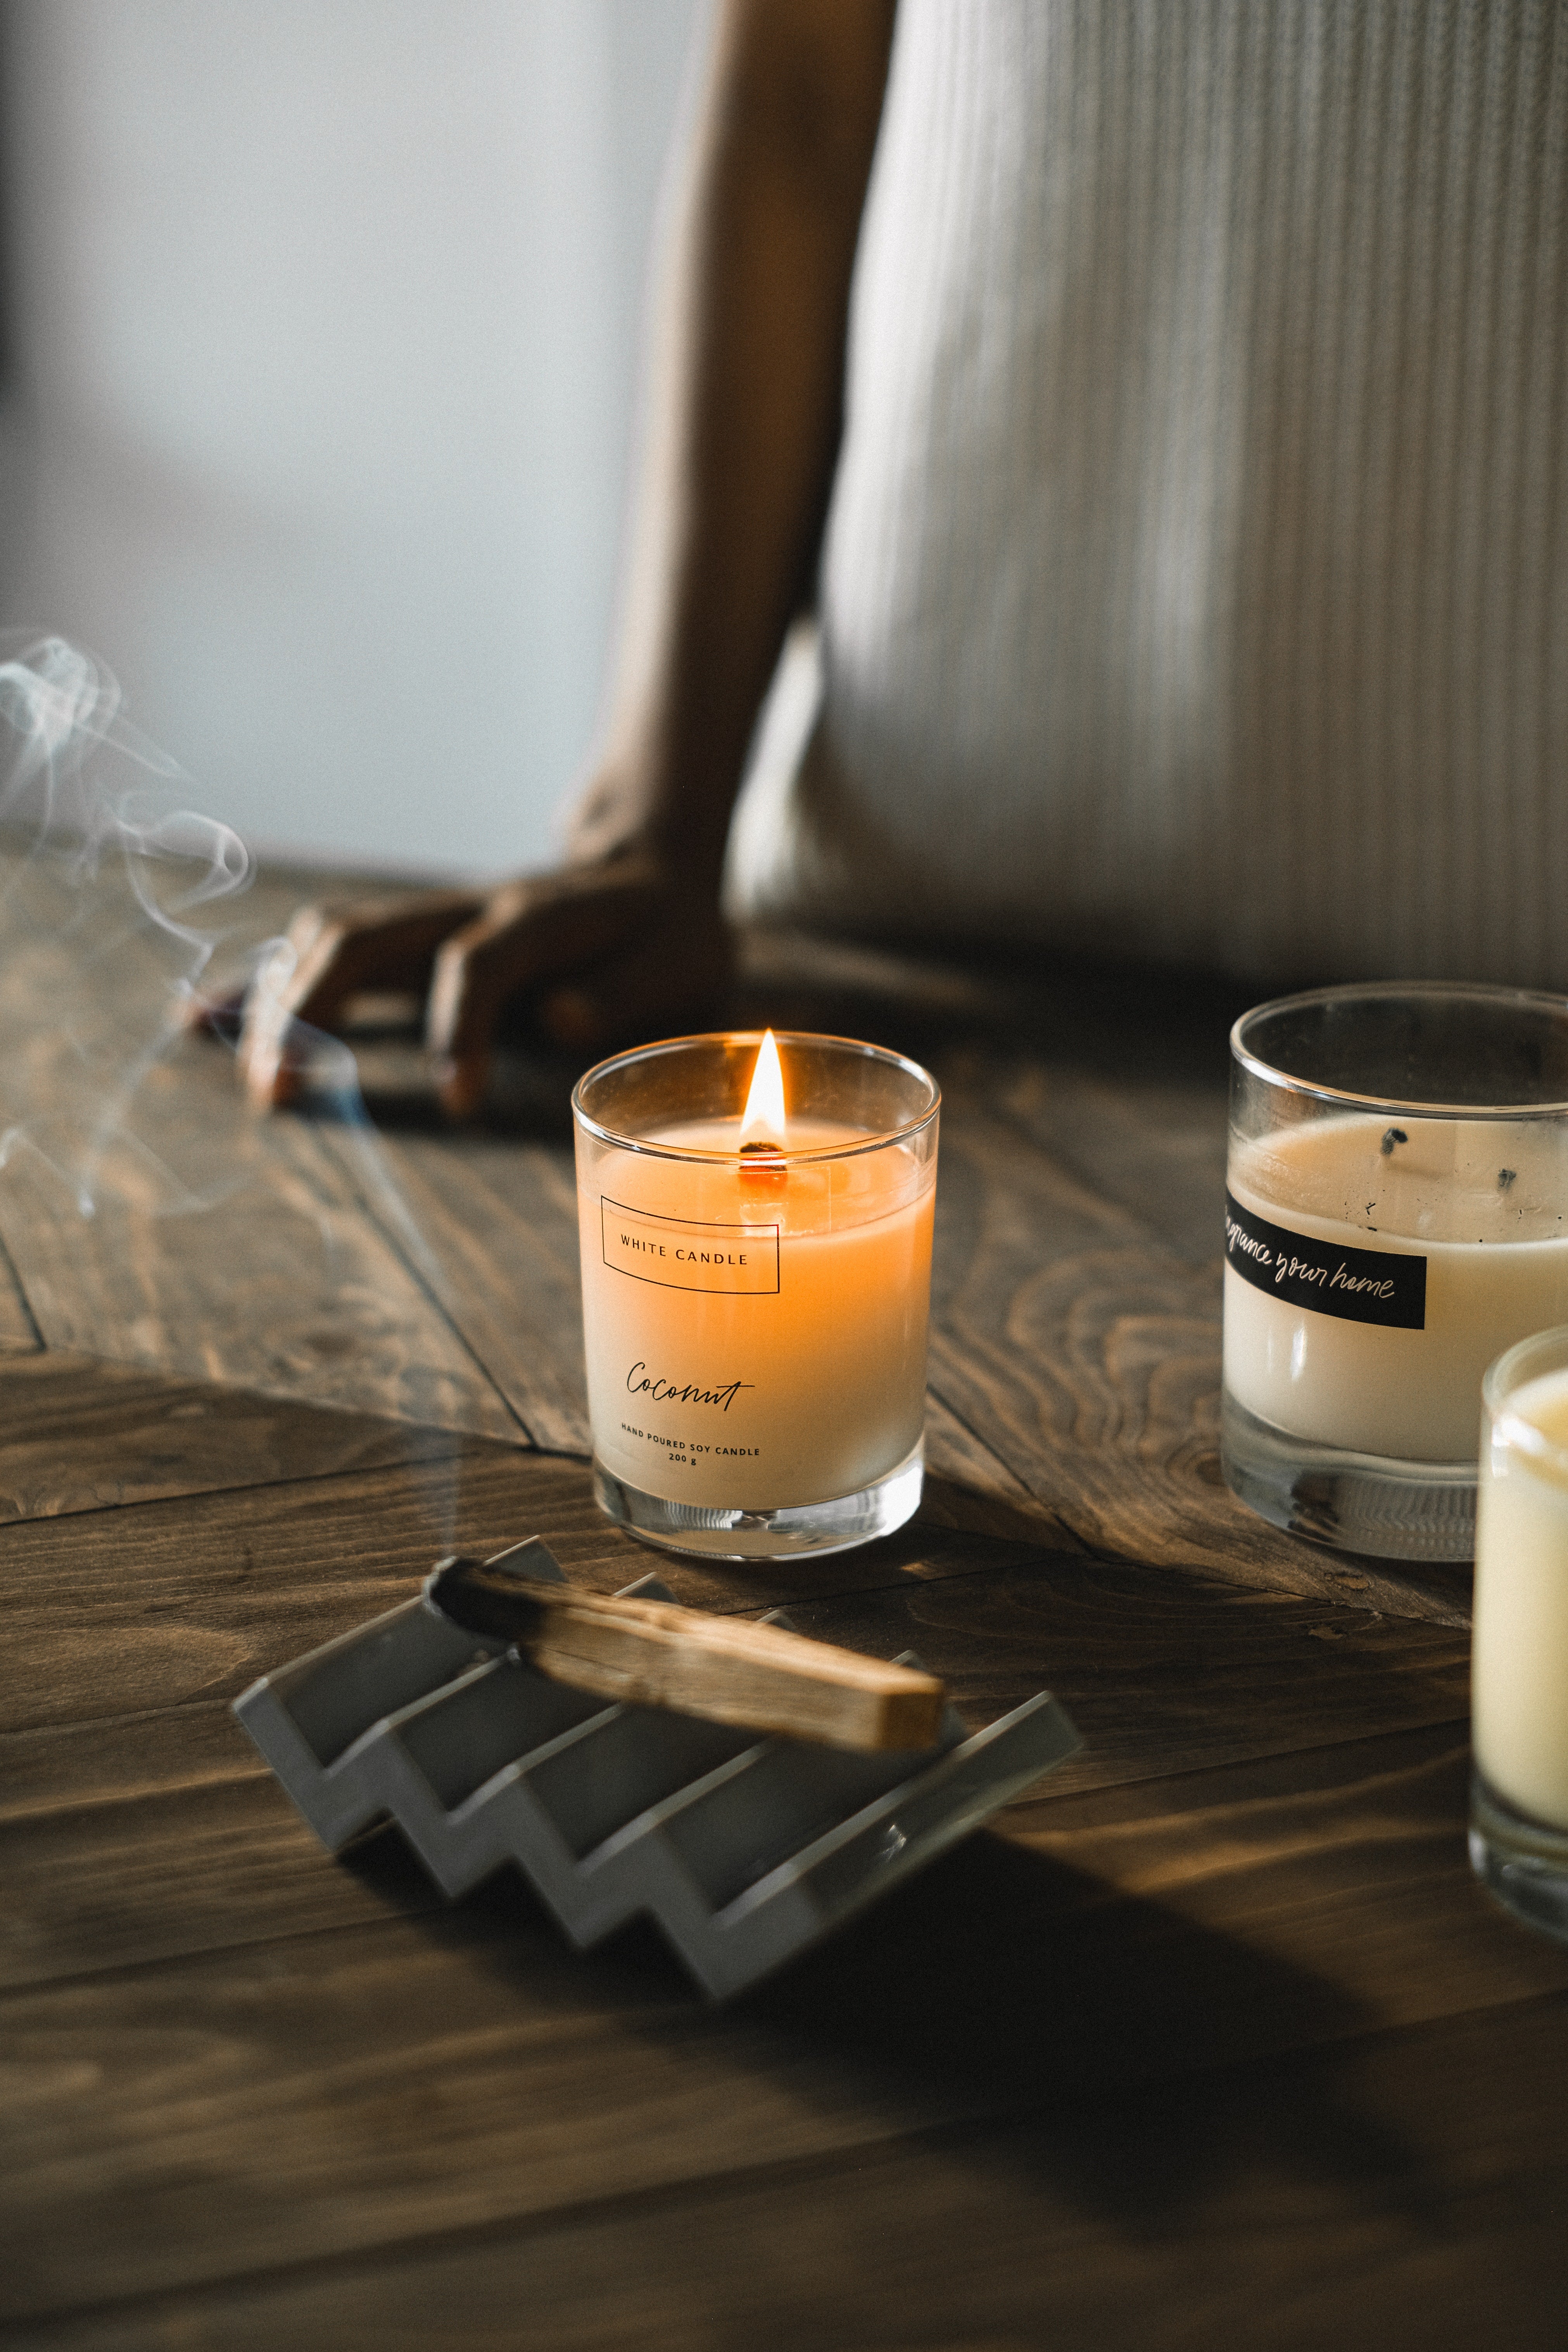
(1359, 1286)
(678, 1254)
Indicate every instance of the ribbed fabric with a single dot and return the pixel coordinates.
(1197, 582)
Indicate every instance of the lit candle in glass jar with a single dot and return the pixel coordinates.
(756, 1268)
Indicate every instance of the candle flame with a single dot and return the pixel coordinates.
(763, 1122)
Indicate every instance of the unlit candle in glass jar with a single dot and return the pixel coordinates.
(1483, 1203)
(1519, 1686)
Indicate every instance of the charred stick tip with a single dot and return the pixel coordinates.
(482, 1600)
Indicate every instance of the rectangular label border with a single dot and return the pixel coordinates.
(695, 1225)
(1347, 1308)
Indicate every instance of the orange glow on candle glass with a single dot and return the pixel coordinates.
(755, 1278)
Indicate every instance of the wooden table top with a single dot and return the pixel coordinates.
(1209, 2040)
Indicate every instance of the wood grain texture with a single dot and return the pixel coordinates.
(1087, 1356)
(218, 1862)
(341, 2091)
(281, 1284)
(1178, 1926)
(65, 1768)
(1113, 1111)
(436, 1278)
(1211, 2040)
(1172, 1688)
(968, 1486)
(501, 1221)
(326, 2093)
(150, 1219)
(1164, 1672)
(1401, 2193)
(112, 1612)
(83, 1435)
(1152, 1144)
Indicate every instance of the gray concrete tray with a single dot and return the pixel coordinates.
(745, 1850)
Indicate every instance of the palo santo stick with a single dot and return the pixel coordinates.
(726, 1669)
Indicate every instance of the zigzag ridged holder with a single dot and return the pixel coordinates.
(745, 1851)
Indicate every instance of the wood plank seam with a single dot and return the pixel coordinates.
(1050, 1798)
(1014, 1477)
(408, 2248)
(1092, 1180)
(243, 1487)
(1382, 1596)
(99, 1801)
(410, 2245)
(1367, 1596)
(1131, 1494)
(509, 1256)
(247, 1772)
(1186, 1774)
(461, 1441)
(69, 1728)
(396, 1243)
(9, 1265)
(119, 1972)
(900, 1581)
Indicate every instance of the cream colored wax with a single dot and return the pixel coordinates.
(1484, 1201)
(1520, 1659)
(755, 1335)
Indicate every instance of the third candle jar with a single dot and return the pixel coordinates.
(755, 1223)
(1396, 1214)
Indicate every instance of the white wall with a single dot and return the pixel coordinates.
(328, 314)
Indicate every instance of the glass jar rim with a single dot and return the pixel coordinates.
(1387, 991)
(1503, 1378)
(783, 1038)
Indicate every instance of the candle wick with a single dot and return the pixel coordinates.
(773, 1149)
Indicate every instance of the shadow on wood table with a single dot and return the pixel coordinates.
(1212, 2040)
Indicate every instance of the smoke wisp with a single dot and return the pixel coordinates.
(115, 894)
(149, 1214)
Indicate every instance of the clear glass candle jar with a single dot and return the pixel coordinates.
(756, 1306)
(1396, 1214)
(1519, 1678)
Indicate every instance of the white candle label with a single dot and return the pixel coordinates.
(681, 1254)
(1358, 1286)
